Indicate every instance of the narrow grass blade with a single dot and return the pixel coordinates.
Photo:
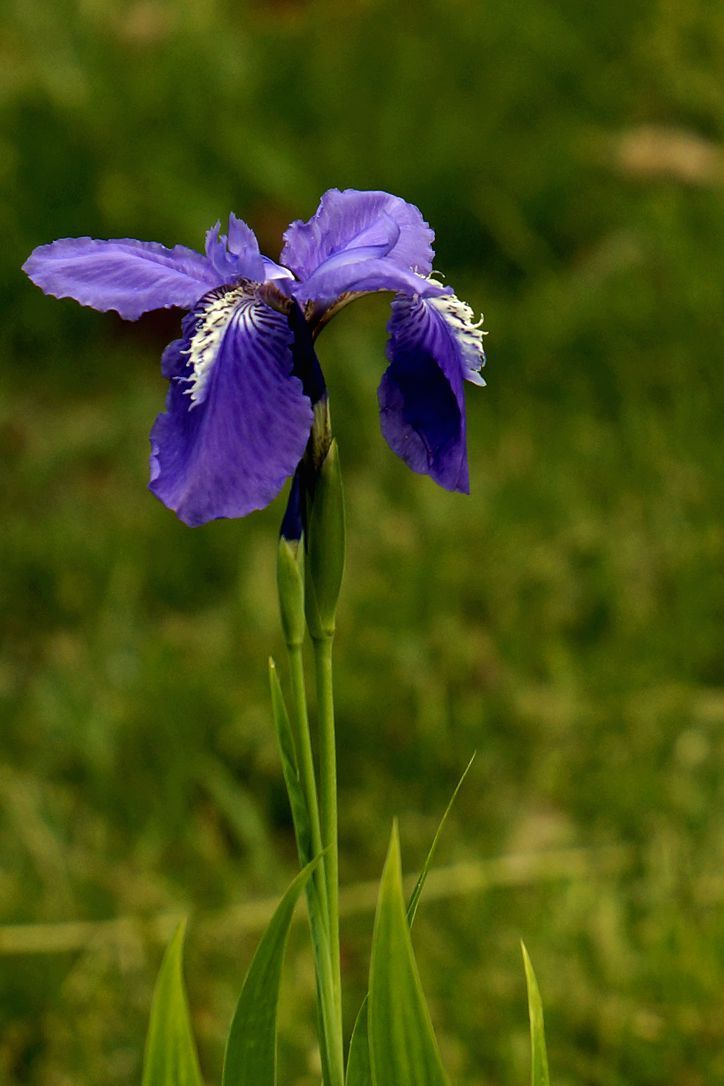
(358, 1064)
(415, 895)
(170, 1057)
(539, 1059)
(288, 755)
(359, 1070)
(403, 1049)
(251, 1048)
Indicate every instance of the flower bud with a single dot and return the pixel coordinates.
(290, 585)
(325, 546)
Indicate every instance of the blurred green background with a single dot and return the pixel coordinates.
(565, 620)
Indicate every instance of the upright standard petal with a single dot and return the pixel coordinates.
(236, 255)
(236, 421)
(351, 227)
(129, 276)
(434, 346)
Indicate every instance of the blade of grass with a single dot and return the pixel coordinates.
(403, 1049)
(250, 1058)
(170, 1057)
(415, 895)
(290, 767)
(359, 1072)
(538, 1057)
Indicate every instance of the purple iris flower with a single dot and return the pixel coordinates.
(244, 377)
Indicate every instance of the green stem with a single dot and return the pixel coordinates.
(328, 801)
(328, 992)
(303, 744)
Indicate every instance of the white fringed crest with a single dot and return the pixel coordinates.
(212, 319)
(460, 320)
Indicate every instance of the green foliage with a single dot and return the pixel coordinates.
(290, 768)
(358, 1065)
(403, 1050)
(359, 1068)
(539, 1060)
(170, 1058)
(325, 546)
(425, 870)
(251, 1049)
(290, 589)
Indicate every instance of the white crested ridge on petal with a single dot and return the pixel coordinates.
(467, 332)
(212, 316)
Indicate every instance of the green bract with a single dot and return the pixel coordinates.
(325, 547)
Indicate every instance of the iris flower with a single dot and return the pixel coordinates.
(244, 378)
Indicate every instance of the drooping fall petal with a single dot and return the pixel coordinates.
(236, 420)
(433, 348)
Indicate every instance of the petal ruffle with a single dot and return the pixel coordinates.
(351, 227)
(237, 255)
(129, 276)
(433, 348)
(236, 421)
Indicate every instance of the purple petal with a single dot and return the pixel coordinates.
(433, 348)
(236, 422)
(274, 271)
(236, 256)
(350, 227)
(126, 275)
(332, 280)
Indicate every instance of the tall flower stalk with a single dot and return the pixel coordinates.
(310, 566)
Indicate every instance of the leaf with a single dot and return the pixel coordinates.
(290, 589)
(539, 1060)
(170, 1056)
(358, 1064)
(359, 1071)
(403, 1049)
(250, 1058)
(287, 753)
(415, 895)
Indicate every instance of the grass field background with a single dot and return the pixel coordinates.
(565, 620)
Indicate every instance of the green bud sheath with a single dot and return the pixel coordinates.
(320, 438)
(290, 585)
(325, 547)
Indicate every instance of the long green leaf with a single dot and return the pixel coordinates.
(251, 1048)
(358, 1065)
(288, 755)
(403, 1049)
(170, 1057)
(539, 1059)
